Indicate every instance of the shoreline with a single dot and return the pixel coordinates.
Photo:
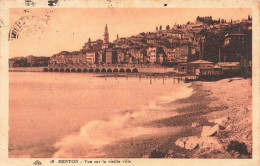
(161, 145)
(201, 108)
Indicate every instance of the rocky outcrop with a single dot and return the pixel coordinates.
(188, 142)
(193, 142)
(222, 122)
(210, 131)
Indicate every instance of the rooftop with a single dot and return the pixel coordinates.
(228, 64)
(200, 61)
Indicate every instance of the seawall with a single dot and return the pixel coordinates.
(140, 70)
(26, 69)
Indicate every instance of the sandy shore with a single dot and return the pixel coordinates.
(228, 99)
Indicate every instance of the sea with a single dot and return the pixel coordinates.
(79, 115)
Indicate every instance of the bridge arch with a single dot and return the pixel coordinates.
(91, 70)
(56, 70)
(122, 70)
(115, 70)
(103, 70)
(128, 70)
(51, 70)
(67, 70)
(85, 70)
(97, 70)
(73, 70)
(79, 70)
(45, 69)
(109, 70)
(61, 70)
(135, 70)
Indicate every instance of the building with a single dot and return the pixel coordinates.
(110, 56)
(66, 58)
(229, 65)
(29, 61)
(120, 56)
(178, 54)
(151, 53)
(106, 35)
(159, 58)
(230, 68)
(60, 59)
(137, 54)
(128, 59)
(97, 46)
(98, 57)
(90, 57)
(93, 45)
(194, 68)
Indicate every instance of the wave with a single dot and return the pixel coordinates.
(94, 135)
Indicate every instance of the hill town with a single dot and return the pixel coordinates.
(203, 47)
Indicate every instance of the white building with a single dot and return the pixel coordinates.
(151, 53)
(90, 57)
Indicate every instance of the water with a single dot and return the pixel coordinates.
(76, 114)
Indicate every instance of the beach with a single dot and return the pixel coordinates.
(223, 108)
(225, 103)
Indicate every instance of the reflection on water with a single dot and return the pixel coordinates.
(76, 114)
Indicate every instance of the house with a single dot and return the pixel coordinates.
(151, 53)
(195, 67)
(107, 58)
(98, 57)
(178, 54)
(90, 57)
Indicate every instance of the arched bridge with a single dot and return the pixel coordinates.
(92, 69)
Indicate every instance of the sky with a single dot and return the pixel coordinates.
(68, 29)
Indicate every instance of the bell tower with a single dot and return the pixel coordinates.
(106, 35)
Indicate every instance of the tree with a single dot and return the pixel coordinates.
(156, 28)
(160, 27)
(188, 22)
(168, 27)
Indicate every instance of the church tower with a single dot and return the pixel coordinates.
(89, 42)
(106, 35)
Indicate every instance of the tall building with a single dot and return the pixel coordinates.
(106, 35)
